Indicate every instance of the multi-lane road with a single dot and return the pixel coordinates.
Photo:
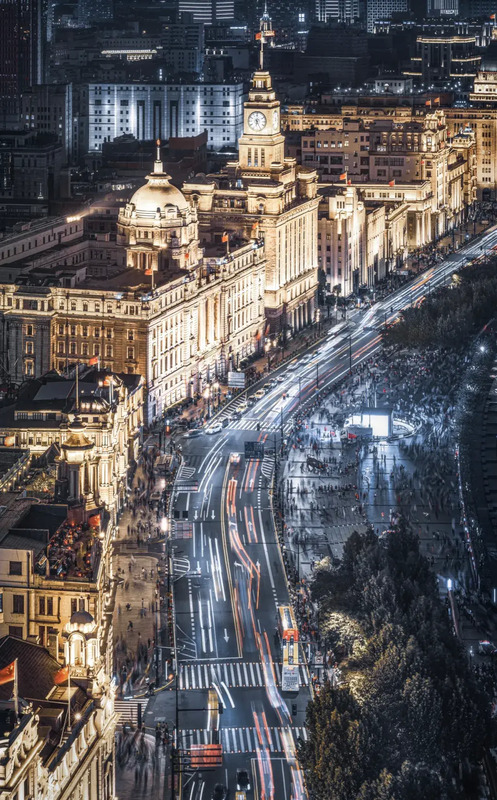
(229, 575)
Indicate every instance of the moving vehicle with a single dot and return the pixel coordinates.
(194, 432)
(220, 792)
(234, 458)
(487, 648)
(216, 427)
(259, 394)
(242, 780)
(287, 626)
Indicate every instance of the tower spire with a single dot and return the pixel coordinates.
(158, 165)
(264, 34)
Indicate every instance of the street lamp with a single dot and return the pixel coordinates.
(207, 396)
(267, 348)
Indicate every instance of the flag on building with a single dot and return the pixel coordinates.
(62, 675)
(225, 237)
(148, 271)
(343, 176)
(391, 183)
(8, 673)
(93, 361)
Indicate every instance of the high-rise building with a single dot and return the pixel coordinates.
(159, 111)
(211, 12)
(337, 10)
(21, 50)
(442, 8)
(93, 11)
(382, 10)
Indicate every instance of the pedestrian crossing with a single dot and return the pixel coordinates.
(128, 710)
(267, 466)
(250, 424)
(241, 740)
(234, 674)
(184, 472)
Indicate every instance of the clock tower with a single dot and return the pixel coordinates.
(262, 143)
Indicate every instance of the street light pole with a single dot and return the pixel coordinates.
(350, 352)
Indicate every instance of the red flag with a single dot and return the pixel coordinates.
(349, 183)
(492, 16)
(148, 272)
(437, 100)
(62, 675)
(391, 183)
(343, 176)
(258, 36)
(352, 436)
(187, 256)
(428, 103)
(93, 361)
(225, 237)
(8, 673)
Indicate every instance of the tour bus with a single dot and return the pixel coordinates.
(287, 626)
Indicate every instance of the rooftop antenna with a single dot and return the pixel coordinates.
(263, 35)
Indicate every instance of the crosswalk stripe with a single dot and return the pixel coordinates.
(259, 681)
(245, 673)
(232, 673)
(239, 673)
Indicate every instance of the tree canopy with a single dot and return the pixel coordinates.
(409, 710)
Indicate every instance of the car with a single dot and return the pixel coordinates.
(259, 394)
(234, 458)
(251, 401)
(280, 378)
(236, 415)
(242, 407)
(194, 432)
(487, 648)
(273, 382)
(266, 386)
(242, 780)
(216, 427)
(220, 792)
(225, 422)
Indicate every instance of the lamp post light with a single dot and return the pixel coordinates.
(267, 348)
(207, 396)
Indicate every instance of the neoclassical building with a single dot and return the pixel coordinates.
(266, 194)
(179, 314)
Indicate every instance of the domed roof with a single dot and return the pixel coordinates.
(81, 618)
(158, 192)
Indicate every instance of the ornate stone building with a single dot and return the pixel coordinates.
(266, 194)
(178, 314)
(61, 743)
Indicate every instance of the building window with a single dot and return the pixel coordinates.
(29, 330)
(18, 604)
(15, 630)
(41, 606)
(131, 353)
(131, 336)
(15, 567)
(29, 369)
(108, 351)
(49, 606)
(29, 348)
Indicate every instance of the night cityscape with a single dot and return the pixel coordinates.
(248, 399)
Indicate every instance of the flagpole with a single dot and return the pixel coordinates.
(68, 698)
(16, 692)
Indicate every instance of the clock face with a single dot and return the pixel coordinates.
(276, 120)
(257, 121)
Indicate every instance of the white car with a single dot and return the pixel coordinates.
(280, 378)
(215, 428)
(259, 394)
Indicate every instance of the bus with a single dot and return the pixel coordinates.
(287, 626)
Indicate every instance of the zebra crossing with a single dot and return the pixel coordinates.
(267, 466)
(241, 740)
(128, 709)
(251, 425)
(243, 675)
(184, 472)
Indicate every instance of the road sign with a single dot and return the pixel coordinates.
(236, 380)
(254, 450)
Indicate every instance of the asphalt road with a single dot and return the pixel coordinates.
(229, 576)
